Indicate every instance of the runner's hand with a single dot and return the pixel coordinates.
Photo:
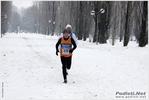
(71, 50)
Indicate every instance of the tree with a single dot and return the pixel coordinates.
(5, 15)
(121, 19)
(143, 35)
(15, 20)
(126, 35)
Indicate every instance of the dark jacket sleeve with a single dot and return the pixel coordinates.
(57, 44)
(73, 43)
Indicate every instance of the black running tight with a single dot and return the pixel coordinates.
(66, 64)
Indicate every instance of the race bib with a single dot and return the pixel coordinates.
(65, 51)
(65, 48)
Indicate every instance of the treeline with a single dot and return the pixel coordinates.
(121, 20)
(6, 7)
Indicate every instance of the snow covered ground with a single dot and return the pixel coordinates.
(30, 69)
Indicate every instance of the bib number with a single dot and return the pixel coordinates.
(65, 51)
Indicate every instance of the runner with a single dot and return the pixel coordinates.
(66, 51)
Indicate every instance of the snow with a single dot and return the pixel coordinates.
(30, 69)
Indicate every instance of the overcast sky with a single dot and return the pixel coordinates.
(24, 4)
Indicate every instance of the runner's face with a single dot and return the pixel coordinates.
(69, 29)
(66, 35)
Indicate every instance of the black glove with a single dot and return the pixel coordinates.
(71, 50)
(57, 52)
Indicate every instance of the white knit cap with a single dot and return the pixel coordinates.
(68, 25)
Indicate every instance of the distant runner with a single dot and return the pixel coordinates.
(71, 34)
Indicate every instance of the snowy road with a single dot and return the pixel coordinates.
(31, 70)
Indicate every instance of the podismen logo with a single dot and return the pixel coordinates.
(130, 94)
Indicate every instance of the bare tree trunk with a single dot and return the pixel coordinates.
(126, 35)
(80, 21)
(108, 7)
(143, 38)
(102, 25)
(5, 15)
(122, 21)
(53, 18)
(95, 19)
